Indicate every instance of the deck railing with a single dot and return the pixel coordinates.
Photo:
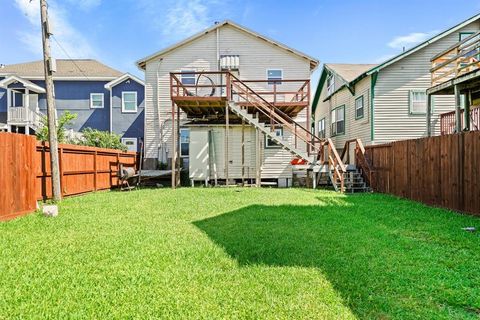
(213, 84)
(23, 115)
(447, 121)
(461, 58)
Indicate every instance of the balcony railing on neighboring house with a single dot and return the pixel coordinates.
(447, 121)
(23, 116)
(458, 60)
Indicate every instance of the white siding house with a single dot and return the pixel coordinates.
(394, 93)
(256, 55)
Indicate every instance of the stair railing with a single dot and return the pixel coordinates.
(336, 165)
(360, 159)
(277, 117)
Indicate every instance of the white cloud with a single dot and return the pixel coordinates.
(410, 39)
(74, 43)
(177, 19)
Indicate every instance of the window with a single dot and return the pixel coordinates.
(188, 77)
(359, 108)
(269, 143)
(129, 101)
(464, 35)
(274, 74)
(321, 128)
(131, 143)
(418, 102)
(330, 84)
(96, 100)
(338, 121)
(184, 142)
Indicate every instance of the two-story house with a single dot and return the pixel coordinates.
(388, 101)
(243, 102)
(102, 97)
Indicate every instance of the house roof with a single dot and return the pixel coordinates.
(86, 69)
(122, 78)
(313, 62)
(349, 72)
(378, 67)
(27, 84)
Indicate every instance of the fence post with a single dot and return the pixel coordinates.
(60, 165)
(95, 170)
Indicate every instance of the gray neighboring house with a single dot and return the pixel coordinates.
(103, 98)
(385, 102)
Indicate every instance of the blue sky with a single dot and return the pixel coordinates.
(119, 32)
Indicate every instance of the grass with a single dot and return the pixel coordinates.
(240, 253)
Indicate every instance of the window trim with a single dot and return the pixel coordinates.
(330, 76)
(130, 139)
(324, 120)
(275, 145)
(281, 77)
(188, 72)
(180, 142)
(410, 102)
(469, 33)
(123, 102)
(344, 122)
(363, 107)
(91, 100)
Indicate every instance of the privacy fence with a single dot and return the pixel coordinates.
(25, 173)
(441, 171)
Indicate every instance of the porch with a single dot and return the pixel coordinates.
(456, 71)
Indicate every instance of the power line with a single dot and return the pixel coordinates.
(66, 53)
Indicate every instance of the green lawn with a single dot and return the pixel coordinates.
(240, 253)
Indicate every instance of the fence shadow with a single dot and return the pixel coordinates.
(373, 258)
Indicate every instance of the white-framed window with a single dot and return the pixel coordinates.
(359, 108)
(269, 143)
(129, 101)
(96, 100)
(330, 84)
(418, 102)
(188, 77)
(184, 142)
(131, 143)
(338, 120)
(321, 128)
(273, 75)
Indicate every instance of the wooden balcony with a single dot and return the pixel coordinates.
(201, 94)
(457, 65)
(447, 121)
(22, 116)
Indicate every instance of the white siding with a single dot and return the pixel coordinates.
(392, 118)
(256, 56)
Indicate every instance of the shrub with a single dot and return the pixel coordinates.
(66, 119)
(101, 139)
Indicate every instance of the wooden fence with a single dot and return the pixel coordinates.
(441, 171)
(25, 174)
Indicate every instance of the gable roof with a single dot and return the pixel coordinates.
(26, 83)
(122, 78)
(86, 69)
(392, 60)
(313, 62)
(348, 72)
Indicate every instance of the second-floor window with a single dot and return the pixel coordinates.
(359, 108)
(321, 128)
(330, 84)
(418, 102)
(188, 77)
(129, 101)
(273, 75)
(338, 120)
(96, 100)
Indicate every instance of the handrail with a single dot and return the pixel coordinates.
(454, 46)
(360, 158)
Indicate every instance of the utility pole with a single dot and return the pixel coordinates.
(49, 68)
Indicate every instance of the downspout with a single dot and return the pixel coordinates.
(160, 124)
(111, 109)
(218, 49)
(373, 82)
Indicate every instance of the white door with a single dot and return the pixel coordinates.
(131, 143)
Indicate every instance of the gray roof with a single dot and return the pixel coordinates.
(89, 68)
(349, 72)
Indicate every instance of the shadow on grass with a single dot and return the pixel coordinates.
(387, 258)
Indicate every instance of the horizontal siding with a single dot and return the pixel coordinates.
(392, 118)
(256, 56)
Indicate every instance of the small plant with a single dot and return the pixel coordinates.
(101, 139)
(66, 119)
